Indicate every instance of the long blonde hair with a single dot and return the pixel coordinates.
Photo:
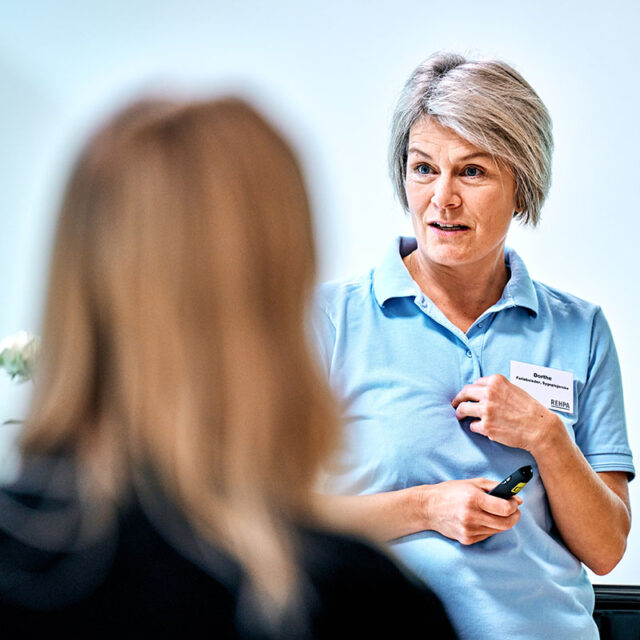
(174, 331)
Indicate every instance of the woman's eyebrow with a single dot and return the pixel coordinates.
(476, 155)
(420, 152)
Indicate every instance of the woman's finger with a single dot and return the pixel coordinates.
(478, 426)
(498, 506)
(494, 379)
(469, 409)
(468, 393)
(484, 483)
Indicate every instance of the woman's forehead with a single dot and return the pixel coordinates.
(427, 136)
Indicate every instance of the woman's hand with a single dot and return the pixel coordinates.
(458, 509)
(463, 510)
(506, 413)
(591, 510)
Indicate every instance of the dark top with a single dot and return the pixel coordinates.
(131, 577)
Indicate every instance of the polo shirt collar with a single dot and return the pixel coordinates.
(519, 291)
(392, 280)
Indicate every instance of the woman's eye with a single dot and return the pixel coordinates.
(424, 169)
(472, 172)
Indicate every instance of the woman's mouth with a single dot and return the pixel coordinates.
(445, 227)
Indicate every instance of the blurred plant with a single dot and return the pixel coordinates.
(18, 357)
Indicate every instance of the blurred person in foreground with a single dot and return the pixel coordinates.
(178, 420)
(457, 369)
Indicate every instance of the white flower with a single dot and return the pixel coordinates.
(16, 341)
(19, 355)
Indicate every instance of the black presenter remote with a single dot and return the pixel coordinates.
(513, 483)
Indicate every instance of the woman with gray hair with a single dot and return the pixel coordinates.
(457, 368)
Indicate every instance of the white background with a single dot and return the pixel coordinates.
(329, 73)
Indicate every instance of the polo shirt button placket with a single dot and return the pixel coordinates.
(468, 366)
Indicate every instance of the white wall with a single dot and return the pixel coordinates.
(330, 72)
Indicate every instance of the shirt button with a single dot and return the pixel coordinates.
(469, 354)
(480, 325)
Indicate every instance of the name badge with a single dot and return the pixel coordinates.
(552, 388)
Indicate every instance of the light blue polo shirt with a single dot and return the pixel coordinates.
(397, 363)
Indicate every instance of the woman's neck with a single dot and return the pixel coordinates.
(463, 292)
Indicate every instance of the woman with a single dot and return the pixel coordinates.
(178, 419)
(457, 369)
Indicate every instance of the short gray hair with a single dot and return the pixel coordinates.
(489, 104)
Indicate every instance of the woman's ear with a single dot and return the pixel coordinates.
(518, 207)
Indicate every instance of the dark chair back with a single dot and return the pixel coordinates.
(617, 611)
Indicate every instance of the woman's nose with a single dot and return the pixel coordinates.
(445, 195)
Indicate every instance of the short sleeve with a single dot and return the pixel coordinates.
(601, 431)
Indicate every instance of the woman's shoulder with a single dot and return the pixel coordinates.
(343, 552)
(360, 585)
(56, 573)
(63, 569)
(549, 299)
(332, 293)
(562, 303)
(51, 556)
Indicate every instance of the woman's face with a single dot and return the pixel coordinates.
(461, 201)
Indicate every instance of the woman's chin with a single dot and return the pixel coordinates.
(450, 257)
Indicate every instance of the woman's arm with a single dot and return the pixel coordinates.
(591, 510)
(458, 509)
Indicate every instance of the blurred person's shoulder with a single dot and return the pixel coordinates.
(65, 567)
(146, 570)
(362, 591)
